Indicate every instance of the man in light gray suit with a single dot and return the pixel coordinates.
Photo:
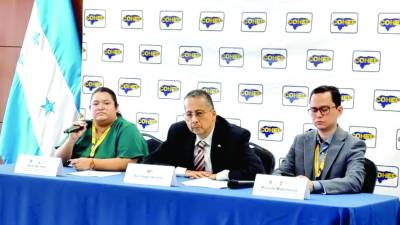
(331, 159)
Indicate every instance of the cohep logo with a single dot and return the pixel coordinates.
(347, 95)
(130, 87)
(250, 93)
(169, 89)
(132, 19)
(270, 130)
(344, 23)
(366, 61)
(84, 51)
(295, 96)
(113, 52)
(273, 58)
(398, 140)
(190, 55)
(211, 21)
(150, 54)
(231, 57)
(388, 176)
(171, 20)
(95, 18)
(319, 59)
(389, 23)
(308, 127)
(254, 21)
(212, 88)
(299, 22)
(387, 100)
(147, 121)
(367, 134)
(91, 83)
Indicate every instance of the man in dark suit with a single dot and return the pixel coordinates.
(331, 159)
(206, 145)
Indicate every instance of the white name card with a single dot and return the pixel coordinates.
(281, 187)
(38, 165)
(150, 175)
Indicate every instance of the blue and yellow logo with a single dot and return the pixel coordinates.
(298, 22)
(390, 23)
(345, 97)
(268, 130)
(144, 121)
(318, 59)
(385, 175)
(363, 135)
(294, 95)
(111, 52)
(253, 21)
(208, 21)
(168, 20)
(150, 54)
(343, 22)
(168, 89)
(129, 19)
(385, 100)
(189, 55)
(365, 60)
(250, 93)
(127, 87)
(230, 56)
(92, 84)
(210, 90)
(93, 18)
(273, 58)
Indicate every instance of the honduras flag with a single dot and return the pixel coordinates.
(45, 94)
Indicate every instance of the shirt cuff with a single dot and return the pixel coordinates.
(318, 188)
(223, 175)
(180, 171)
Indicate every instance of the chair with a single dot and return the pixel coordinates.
(371, 173)
(267, 158)
(152, 142)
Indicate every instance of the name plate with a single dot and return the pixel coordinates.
(38, 165)
(150, 175)
(281, 187)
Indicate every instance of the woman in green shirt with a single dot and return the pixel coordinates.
(108, 142)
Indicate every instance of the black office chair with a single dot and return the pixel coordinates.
(152, 142)
(370, 176)
(267, 158)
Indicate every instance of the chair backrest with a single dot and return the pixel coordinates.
(370, 176)
(152, 142)
(267, 158)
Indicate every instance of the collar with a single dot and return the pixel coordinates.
(207, 140)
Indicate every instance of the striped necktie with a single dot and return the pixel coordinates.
(199, 162)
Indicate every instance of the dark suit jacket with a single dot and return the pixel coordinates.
(229, 150)
(344, 165)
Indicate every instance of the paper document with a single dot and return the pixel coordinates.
(206, 182)
(93, 173)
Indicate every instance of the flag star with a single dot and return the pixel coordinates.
(35, 38)
(48, 106)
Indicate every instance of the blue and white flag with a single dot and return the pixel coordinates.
(45, 94)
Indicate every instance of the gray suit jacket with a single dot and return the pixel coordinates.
(344, 165)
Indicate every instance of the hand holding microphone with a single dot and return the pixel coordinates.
(76, 127)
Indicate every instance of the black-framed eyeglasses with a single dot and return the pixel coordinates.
(324, 110)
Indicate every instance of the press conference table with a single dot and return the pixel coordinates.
(73, 200)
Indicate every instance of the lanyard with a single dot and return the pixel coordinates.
(318, 166)
(96, 142)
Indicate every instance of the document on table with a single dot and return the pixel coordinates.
(94, 173)
(206, 182)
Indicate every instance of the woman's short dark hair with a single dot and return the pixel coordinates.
(335, 94)
(109, 91)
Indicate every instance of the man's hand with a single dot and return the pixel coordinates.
(309, 183)
(197, 174)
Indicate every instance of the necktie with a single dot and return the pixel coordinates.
(199, 163)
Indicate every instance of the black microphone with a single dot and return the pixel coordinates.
(236, 184)
(73, 129)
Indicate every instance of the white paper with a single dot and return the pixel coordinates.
(93, 173)
(206, 182)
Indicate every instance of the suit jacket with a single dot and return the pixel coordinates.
(344, 165)
(229, 150)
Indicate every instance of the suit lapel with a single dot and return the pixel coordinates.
(188, 149)
(333, 150)
(217, 145)
(309, 147)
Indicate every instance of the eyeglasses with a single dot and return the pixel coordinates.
(198, 114)
(324, 110)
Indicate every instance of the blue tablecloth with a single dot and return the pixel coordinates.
(73, 200)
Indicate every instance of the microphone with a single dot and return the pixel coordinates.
(73, 129)
(236, 184)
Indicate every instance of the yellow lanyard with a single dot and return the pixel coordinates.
(96, 142)
(318, 167)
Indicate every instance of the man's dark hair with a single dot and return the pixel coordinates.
(200, 93)
(335, 94)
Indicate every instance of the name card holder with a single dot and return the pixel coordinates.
(150, 175)
(38, 165)
(281, 187)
